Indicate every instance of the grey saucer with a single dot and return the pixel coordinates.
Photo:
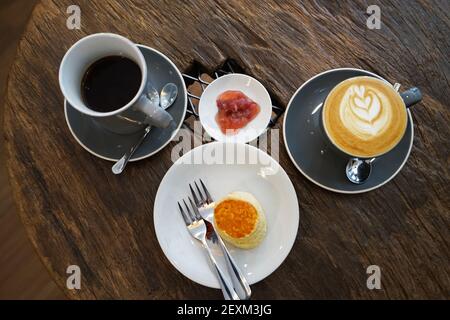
(312, 153)
(111, 146)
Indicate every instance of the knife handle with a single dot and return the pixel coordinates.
(236, 275)
(227, 288)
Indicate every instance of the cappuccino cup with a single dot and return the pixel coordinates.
(116, 73)
(365, 117)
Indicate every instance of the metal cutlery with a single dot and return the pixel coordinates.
(168, 96)
(359, 170)
(197, 228)
(120, 165)
(205, 205)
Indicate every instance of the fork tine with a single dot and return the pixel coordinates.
(197, 214)
(183, 214)
(208, 196)
(191, 216)
(198, 203)
(203, 199)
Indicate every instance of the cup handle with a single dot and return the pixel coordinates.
(155, 115)
(411, 96)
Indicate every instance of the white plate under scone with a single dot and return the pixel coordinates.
(256, 172)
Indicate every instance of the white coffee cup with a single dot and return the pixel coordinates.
(129, 118)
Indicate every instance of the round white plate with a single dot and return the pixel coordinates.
(253, 89)
(241, 168)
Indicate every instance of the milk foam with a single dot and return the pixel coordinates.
(365, 111)
(364, 117)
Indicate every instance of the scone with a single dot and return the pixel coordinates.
(239, 219)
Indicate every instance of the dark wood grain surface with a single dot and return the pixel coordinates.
(77, 212)
(22, 274)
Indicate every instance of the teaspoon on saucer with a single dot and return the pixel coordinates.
(359, 170)
(168, 96)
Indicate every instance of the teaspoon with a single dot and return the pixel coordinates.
(168, 95)
(358, 170)
(169, 92)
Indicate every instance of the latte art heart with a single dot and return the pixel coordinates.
(367, 109)
(361, 110)
(364, 116)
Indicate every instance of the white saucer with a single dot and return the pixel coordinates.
(265, 179)
(253, 89)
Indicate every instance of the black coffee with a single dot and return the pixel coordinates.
(110, 83)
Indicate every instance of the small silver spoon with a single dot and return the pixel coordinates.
(170, 94)
(358, 170)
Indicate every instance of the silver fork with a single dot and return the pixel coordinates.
(206, 206)
(197, 228)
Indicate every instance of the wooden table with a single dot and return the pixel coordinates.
(77, 212)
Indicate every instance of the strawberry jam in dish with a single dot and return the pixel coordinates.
(236, 110)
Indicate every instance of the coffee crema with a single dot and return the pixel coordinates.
(364, 117)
